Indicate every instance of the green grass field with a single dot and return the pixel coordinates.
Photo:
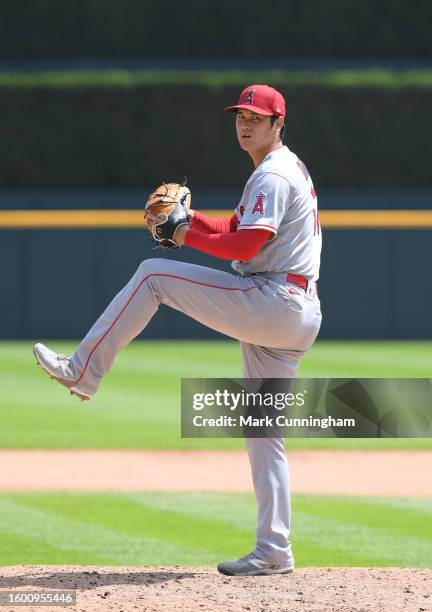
(204, 528)
(138, 405)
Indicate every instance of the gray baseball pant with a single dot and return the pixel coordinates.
(275, 328)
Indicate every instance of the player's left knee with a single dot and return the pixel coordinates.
(151, 271)
(152, 266)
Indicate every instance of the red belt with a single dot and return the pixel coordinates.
(298, 280)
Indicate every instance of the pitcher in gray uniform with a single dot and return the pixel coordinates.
(270, 304)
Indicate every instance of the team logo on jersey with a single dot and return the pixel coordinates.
(259, 204)
(248, 98)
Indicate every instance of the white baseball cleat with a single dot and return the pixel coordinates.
(58, 367)
(251, 565)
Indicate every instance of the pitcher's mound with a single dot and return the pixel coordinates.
(187, 589)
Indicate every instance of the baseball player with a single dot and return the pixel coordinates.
(270, 304)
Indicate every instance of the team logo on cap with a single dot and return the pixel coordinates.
(248, 98)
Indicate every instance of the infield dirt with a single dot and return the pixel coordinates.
(192, 589)
(323, 472)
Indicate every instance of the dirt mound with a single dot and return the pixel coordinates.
(191, 589)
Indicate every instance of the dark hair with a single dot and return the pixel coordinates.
(273, 118)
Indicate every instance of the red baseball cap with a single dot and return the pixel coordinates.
(261, 99)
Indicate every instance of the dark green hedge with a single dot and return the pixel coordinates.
(371, 77)
(242, 30)
(131, 137)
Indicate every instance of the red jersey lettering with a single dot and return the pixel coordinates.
(306, 174)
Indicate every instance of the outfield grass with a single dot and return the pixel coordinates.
(138, 405)
(203, 528)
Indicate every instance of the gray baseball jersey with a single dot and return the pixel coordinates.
(275, 322)
(280, 197)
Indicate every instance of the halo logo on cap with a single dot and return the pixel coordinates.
(249, 96)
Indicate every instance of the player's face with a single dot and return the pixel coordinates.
(254, 132)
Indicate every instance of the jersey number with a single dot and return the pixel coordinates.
(317, 224)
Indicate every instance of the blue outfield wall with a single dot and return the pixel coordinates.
(54, 283)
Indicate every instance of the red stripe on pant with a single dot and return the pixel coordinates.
(136, 291)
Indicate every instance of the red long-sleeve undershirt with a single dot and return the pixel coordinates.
(219, 237)
(213, 225)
